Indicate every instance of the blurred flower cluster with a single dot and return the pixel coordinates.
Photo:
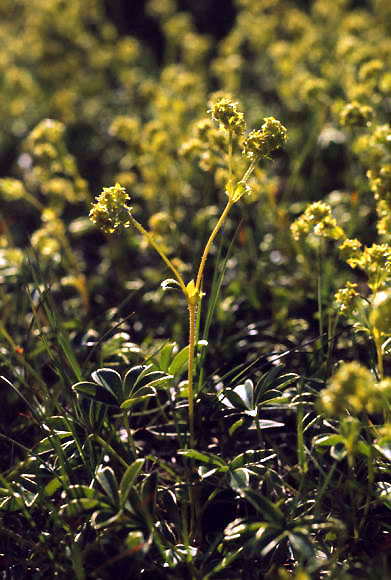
(90, 101)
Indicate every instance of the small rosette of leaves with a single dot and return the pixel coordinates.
(235, 473)
(248, 399)
(108, 387)
(110, 501)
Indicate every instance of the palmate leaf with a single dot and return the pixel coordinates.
(241, 397)
(106, 478)
(110, 380)
(248, 398)
(202, 457)
(273, 380)
(80, 505)
(47, 444)
(130, 403)
(250, 457)
(267, 509)
(129, 478)
(142, 376)
(301, 544)
(96, 392)
(239, 478)
(165, 355)
(108, 388)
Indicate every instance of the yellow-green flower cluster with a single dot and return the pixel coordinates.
(355, 114)
(47, 131)
(350, 249)
(317, 219)
(380, 183)
(48, 239)
(353, 388)
(12, 189)
(126, 129)
(75, 58)
(11, 260)
(383, 210)
(209, 146)
(346, 297)
(226, 112)
(51, 169)
(384, 432)
(262, 142)
(375, 261)
(110, 211)
(380, 316)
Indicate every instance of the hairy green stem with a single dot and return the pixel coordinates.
(166, 260)
(210, 242)
(379, 351)
(110, 450)
(130, 436)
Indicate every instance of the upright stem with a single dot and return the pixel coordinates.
(210, 241)
(111, 450)
(190, 395)
(194, 520)
(320, 292)
(129, 434)
(166, 260)
(230, 157)
(190, 371)
(379, 351)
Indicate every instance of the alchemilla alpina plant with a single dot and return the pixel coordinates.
(148, 435)
(111, 213)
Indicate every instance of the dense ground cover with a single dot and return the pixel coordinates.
(195, 268)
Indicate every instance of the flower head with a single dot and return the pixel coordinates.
(352, 388)
(317, 219)
(226, 112)
(375, 261)
(262, 142)
(350, 248)
(110, 212)
(355, 114)
(12, 189)
(345, 297)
